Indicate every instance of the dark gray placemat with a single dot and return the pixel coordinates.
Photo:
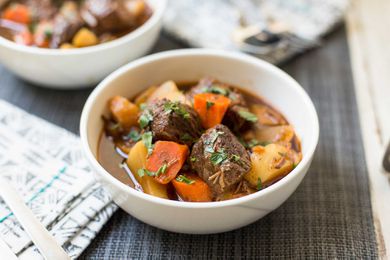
(328, 216)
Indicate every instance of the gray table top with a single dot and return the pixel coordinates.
(337, 211)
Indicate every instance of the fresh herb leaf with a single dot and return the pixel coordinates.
(259, 184)
(218, 90)
(295, 165)
(248, 116)
(147, 138)
(176, 107)
(141, 173)
(255, 142)
(134, 135)
(218, 157)
(209, 142)
(142, 106)
(48, 34)
(145, 118)
(185, 179)
(193, 159)
(186, 137)
(209, 104)
(236, 158)
(162, 169)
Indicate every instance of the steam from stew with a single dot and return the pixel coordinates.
(70, 23)
(199, 142)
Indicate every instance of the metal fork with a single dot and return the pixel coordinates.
(45, 242)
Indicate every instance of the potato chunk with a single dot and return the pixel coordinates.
(136, 161)
(84, 38)
(269, 163)
(143, 97)
(123, 111)
(168, 90)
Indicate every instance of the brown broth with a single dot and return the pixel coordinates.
(110, 159)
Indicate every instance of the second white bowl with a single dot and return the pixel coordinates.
(84, 67)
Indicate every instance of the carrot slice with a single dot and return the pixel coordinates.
(24, 38)
(211, 108)
(17, 13)
(166, 160)
(192, 188)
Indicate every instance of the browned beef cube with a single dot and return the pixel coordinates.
(220, 159)
(41, 9)
(107, 15)
(66, 23)
(173, 121)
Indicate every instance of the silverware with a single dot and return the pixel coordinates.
(386, 159)
(45, 242)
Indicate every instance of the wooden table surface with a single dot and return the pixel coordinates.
(64, 107)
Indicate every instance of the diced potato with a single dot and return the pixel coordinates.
(275, 134)
(136, 7)
(137, 160)
(66, 46)
(124, 111)
(143, 97)
(267, 116)
(269, 163)
(168, 90)
(84, 38)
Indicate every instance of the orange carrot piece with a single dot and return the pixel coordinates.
(211, 108)
(24, 38)
(195, 191)
(17, 13)
(169, 156)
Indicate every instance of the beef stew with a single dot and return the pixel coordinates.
(197, 142)
(70, 23)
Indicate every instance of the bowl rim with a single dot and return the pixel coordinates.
(148, 25)
(240, 57)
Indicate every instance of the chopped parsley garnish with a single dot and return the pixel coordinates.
(248, 116)
(193, 159)
(259, 184)
(145, 118)
(147, 138)
(218, 90)
(209, 142)
(255, 142)
(236, 158)
(142, 172)
(48, 34)
(209, 104)
(186, 137)
(170, 107)
(185, 179)
(218, 157)
(134, 135)
(142, 106)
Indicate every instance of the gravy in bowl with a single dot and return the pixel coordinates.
(197, 142)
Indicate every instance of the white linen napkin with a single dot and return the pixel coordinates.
(45, 163)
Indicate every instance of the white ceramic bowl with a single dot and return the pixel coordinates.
(77, 68)
(241, 70)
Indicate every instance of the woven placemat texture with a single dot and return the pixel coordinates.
(329, 216)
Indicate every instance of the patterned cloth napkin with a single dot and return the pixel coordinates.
(274, 30)
(45, 163)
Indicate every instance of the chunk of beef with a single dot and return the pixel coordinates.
(108, 15)
(173, 121)
(66, 23)
(220, 159)
(41, 9)
(3, 3)
(232, 118)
